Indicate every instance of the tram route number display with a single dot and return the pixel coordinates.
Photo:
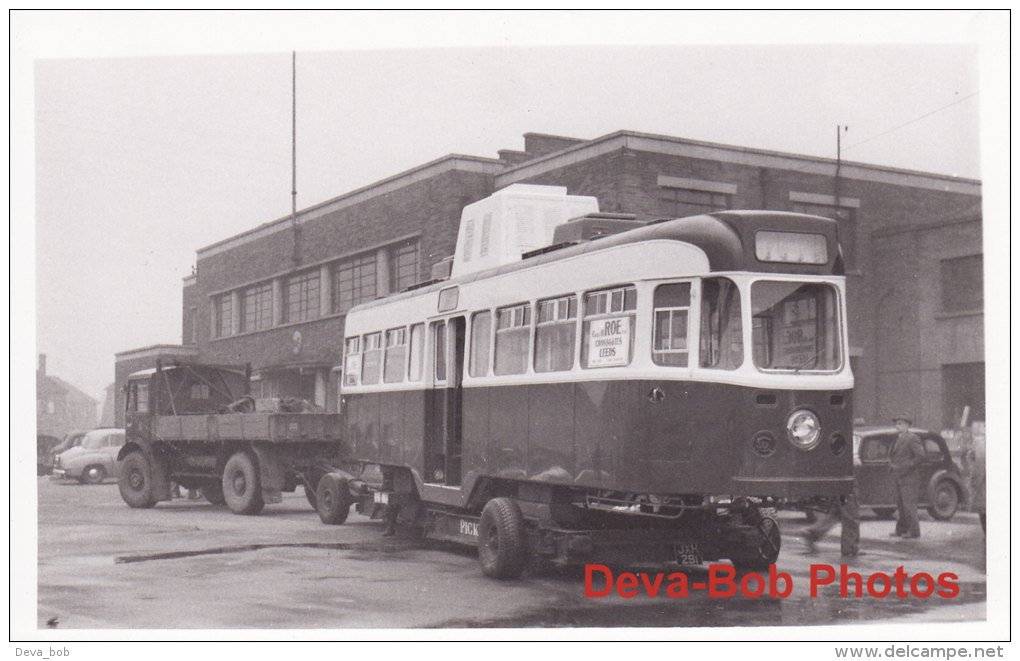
(609, 342)
(798, 340)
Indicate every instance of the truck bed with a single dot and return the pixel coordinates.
(259, 426)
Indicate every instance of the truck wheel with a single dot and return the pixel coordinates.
(213, 492)
(135, 481)
(945, 500)
(93, 475)
(501, 548)
(242, 488)
(333, 499)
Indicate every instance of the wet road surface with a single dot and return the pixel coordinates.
(188, 565)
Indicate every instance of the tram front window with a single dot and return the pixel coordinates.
(796, 326)
(722, 341)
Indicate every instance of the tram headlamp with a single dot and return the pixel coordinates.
(803, 429)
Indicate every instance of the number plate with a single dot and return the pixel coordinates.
(688, 554)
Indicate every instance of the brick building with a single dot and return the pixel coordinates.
(276, 295)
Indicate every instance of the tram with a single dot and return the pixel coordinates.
(643, 395)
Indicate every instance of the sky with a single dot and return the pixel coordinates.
(153, 135)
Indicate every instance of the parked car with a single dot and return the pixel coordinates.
(943, 488)
(70, 440)
(94, 459)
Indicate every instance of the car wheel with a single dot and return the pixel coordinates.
(945, 501)
(884, 513)
(242, 488)
(501, 549)
(135, 481)
(93, 475)
(333, 499)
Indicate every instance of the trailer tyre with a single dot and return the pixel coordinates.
(501, 547)
(135, 481)
(762, 547)
(333, 499)
(242, 488)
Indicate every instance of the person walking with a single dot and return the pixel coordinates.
(906, 455)
(846, 511)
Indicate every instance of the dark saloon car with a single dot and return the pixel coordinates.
(942, 490)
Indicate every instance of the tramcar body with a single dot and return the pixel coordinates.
(691, 358)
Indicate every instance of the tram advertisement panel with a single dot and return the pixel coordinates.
(609, 340)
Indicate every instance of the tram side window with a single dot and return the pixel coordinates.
(417, 351)
(555, 332)
(352, 361)
(607, 337)
(722, 343)
(481, 332)
(396, 355)
(439, 349)
(672, 310)
(371, 359)
(513, 328)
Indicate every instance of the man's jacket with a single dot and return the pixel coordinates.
(907, 454)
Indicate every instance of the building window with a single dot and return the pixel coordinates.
(963, 388)
(354, 282)
(301, 297)
(396, 355)
(963, 283)
(685, 197)
(257, 307)
(513, 326)
(403, 265)
(555, 334)
(224, 314)
(672, 311)
(607, 338)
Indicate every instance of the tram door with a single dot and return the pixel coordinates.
(443, 441)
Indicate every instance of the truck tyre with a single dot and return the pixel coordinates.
(501, 547)
(135, 481)
(333, 499)
(213, 492)
(242, 488)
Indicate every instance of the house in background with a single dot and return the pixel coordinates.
(60, 407)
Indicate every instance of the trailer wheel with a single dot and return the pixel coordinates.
(501, 548)
(135, 481)
(333, 499)
(242, 488)
(213, 492)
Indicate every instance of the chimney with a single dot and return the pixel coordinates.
(42, 365)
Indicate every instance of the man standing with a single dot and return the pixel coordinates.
(845, 510)
(906, 455)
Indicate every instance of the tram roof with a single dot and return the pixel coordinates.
(726, 237)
